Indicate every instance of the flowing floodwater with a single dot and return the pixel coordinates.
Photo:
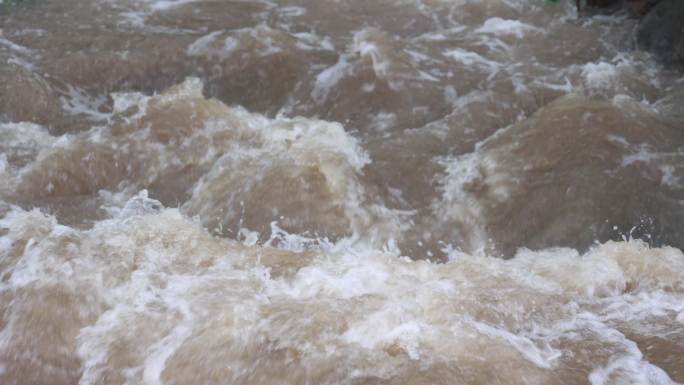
(337, 192)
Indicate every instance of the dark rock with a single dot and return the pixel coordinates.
(639, 8)
(661, 31)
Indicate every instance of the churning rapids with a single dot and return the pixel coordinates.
(337, 192)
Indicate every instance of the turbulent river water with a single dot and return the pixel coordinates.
(337, 192)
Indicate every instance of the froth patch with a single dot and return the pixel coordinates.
(504, 27)
(153, 298)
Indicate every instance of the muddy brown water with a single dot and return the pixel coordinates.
(337, 192)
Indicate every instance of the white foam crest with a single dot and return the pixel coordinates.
(292, 11)
(665, 161)
(139, 205)
(458, 203)
(365, 45)
(600, 75)
(544, 357)
(204, 46)
(406, 334)
(260, 41)
(165, 280)
(124, 101)
(301, 135)
(624, 74)
(14, 46)
(327, 79)
(163, 5)
(390, 61)
(4, 165)
(160, 351)
(627, 363)
(191, 88)
(640, 308)
(20, 145)
(310, 41)
(499, 26)
(630, 370)
(470, 58)
(78, 102)
(606, 270)
(646, 154)
(627, 367)
(157, 291)
(36, 265)
(24, 136)
(285, 240)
